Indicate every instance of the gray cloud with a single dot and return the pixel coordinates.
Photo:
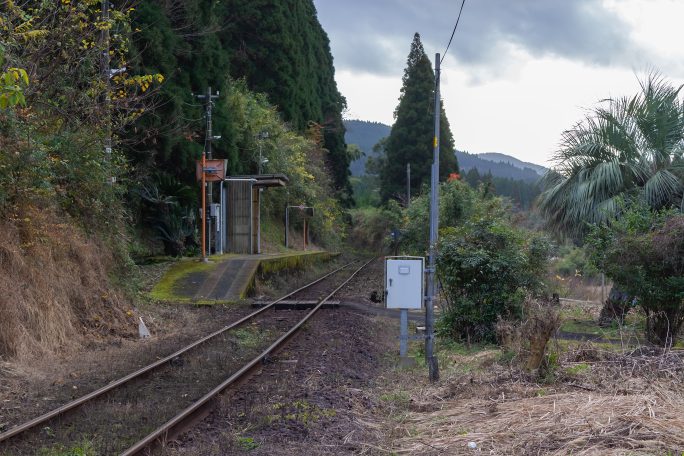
(373, 36)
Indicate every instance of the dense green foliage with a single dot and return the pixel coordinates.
(279, 48)
(412, 135)
(158, 129)
(52, 150)
(364, 134)
(301, 158)
(371, 227)
(522, 193)
(485, 264)
(573, 261)
(626, 148)
(487, 267)
(644, 253)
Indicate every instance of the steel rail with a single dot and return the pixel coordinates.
(201, 408)
(110, 386)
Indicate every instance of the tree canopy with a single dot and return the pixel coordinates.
(627, 148)
(278, 48)
(411, 138)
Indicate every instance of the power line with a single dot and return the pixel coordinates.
(453, 32)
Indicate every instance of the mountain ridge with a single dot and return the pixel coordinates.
(366, 134)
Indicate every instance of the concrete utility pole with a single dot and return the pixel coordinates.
(206, 154)
(433, 367)
(105, 70)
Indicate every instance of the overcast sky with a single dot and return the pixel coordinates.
(518, 72)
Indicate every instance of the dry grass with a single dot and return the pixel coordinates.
(610, 404)
(577, 423)
(54, 286)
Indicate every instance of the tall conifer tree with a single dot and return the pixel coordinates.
(411, 138)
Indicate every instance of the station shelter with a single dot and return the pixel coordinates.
(239, 228)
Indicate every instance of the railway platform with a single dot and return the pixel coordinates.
(225, 278)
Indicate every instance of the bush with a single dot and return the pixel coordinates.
(643, 252)
(371, 227)
(574, 261)
(458, 202)
(487, 267)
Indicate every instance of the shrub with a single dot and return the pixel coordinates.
(487, 267)
(527, 340)
(458, 202)
(574, 261)
(644, 253)
(371, 227)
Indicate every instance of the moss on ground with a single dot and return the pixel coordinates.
(297, 260)
(166, 289)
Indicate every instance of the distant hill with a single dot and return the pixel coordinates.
(365, 135)
(503, 166)
(503, 158)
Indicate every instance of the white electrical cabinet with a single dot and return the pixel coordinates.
(404, 282)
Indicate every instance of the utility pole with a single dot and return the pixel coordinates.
(408, 184)
(206, 155)
(105, 70)
(433, 367)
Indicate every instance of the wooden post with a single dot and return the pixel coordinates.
(306, 233)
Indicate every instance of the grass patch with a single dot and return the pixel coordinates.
(634, 328)
(300, 411)
(246, 443)
(578, 369)
(250, 337)
(83, 448)
(399, 399)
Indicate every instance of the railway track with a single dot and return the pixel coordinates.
(119, 418)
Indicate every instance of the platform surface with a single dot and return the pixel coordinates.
(226, 278)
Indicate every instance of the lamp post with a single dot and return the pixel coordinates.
(261, 136)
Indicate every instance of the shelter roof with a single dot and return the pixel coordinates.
(264, 180)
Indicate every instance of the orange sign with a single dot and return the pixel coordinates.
(214, 171)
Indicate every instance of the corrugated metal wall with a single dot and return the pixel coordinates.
(239, 215)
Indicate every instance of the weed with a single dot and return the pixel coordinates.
(247, 443)
(578, 368)
(506, 357)
(300, 411)
(399, 399)
(84, 448)
(249, 337)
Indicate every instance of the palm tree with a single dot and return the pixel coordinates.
(629, 148)
(625, 149)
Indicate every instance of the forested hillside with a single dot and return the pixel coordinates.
(503, 158)
(366, 135)
(502, 167)
(75, 80)
(278, 48)
(502, 174)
